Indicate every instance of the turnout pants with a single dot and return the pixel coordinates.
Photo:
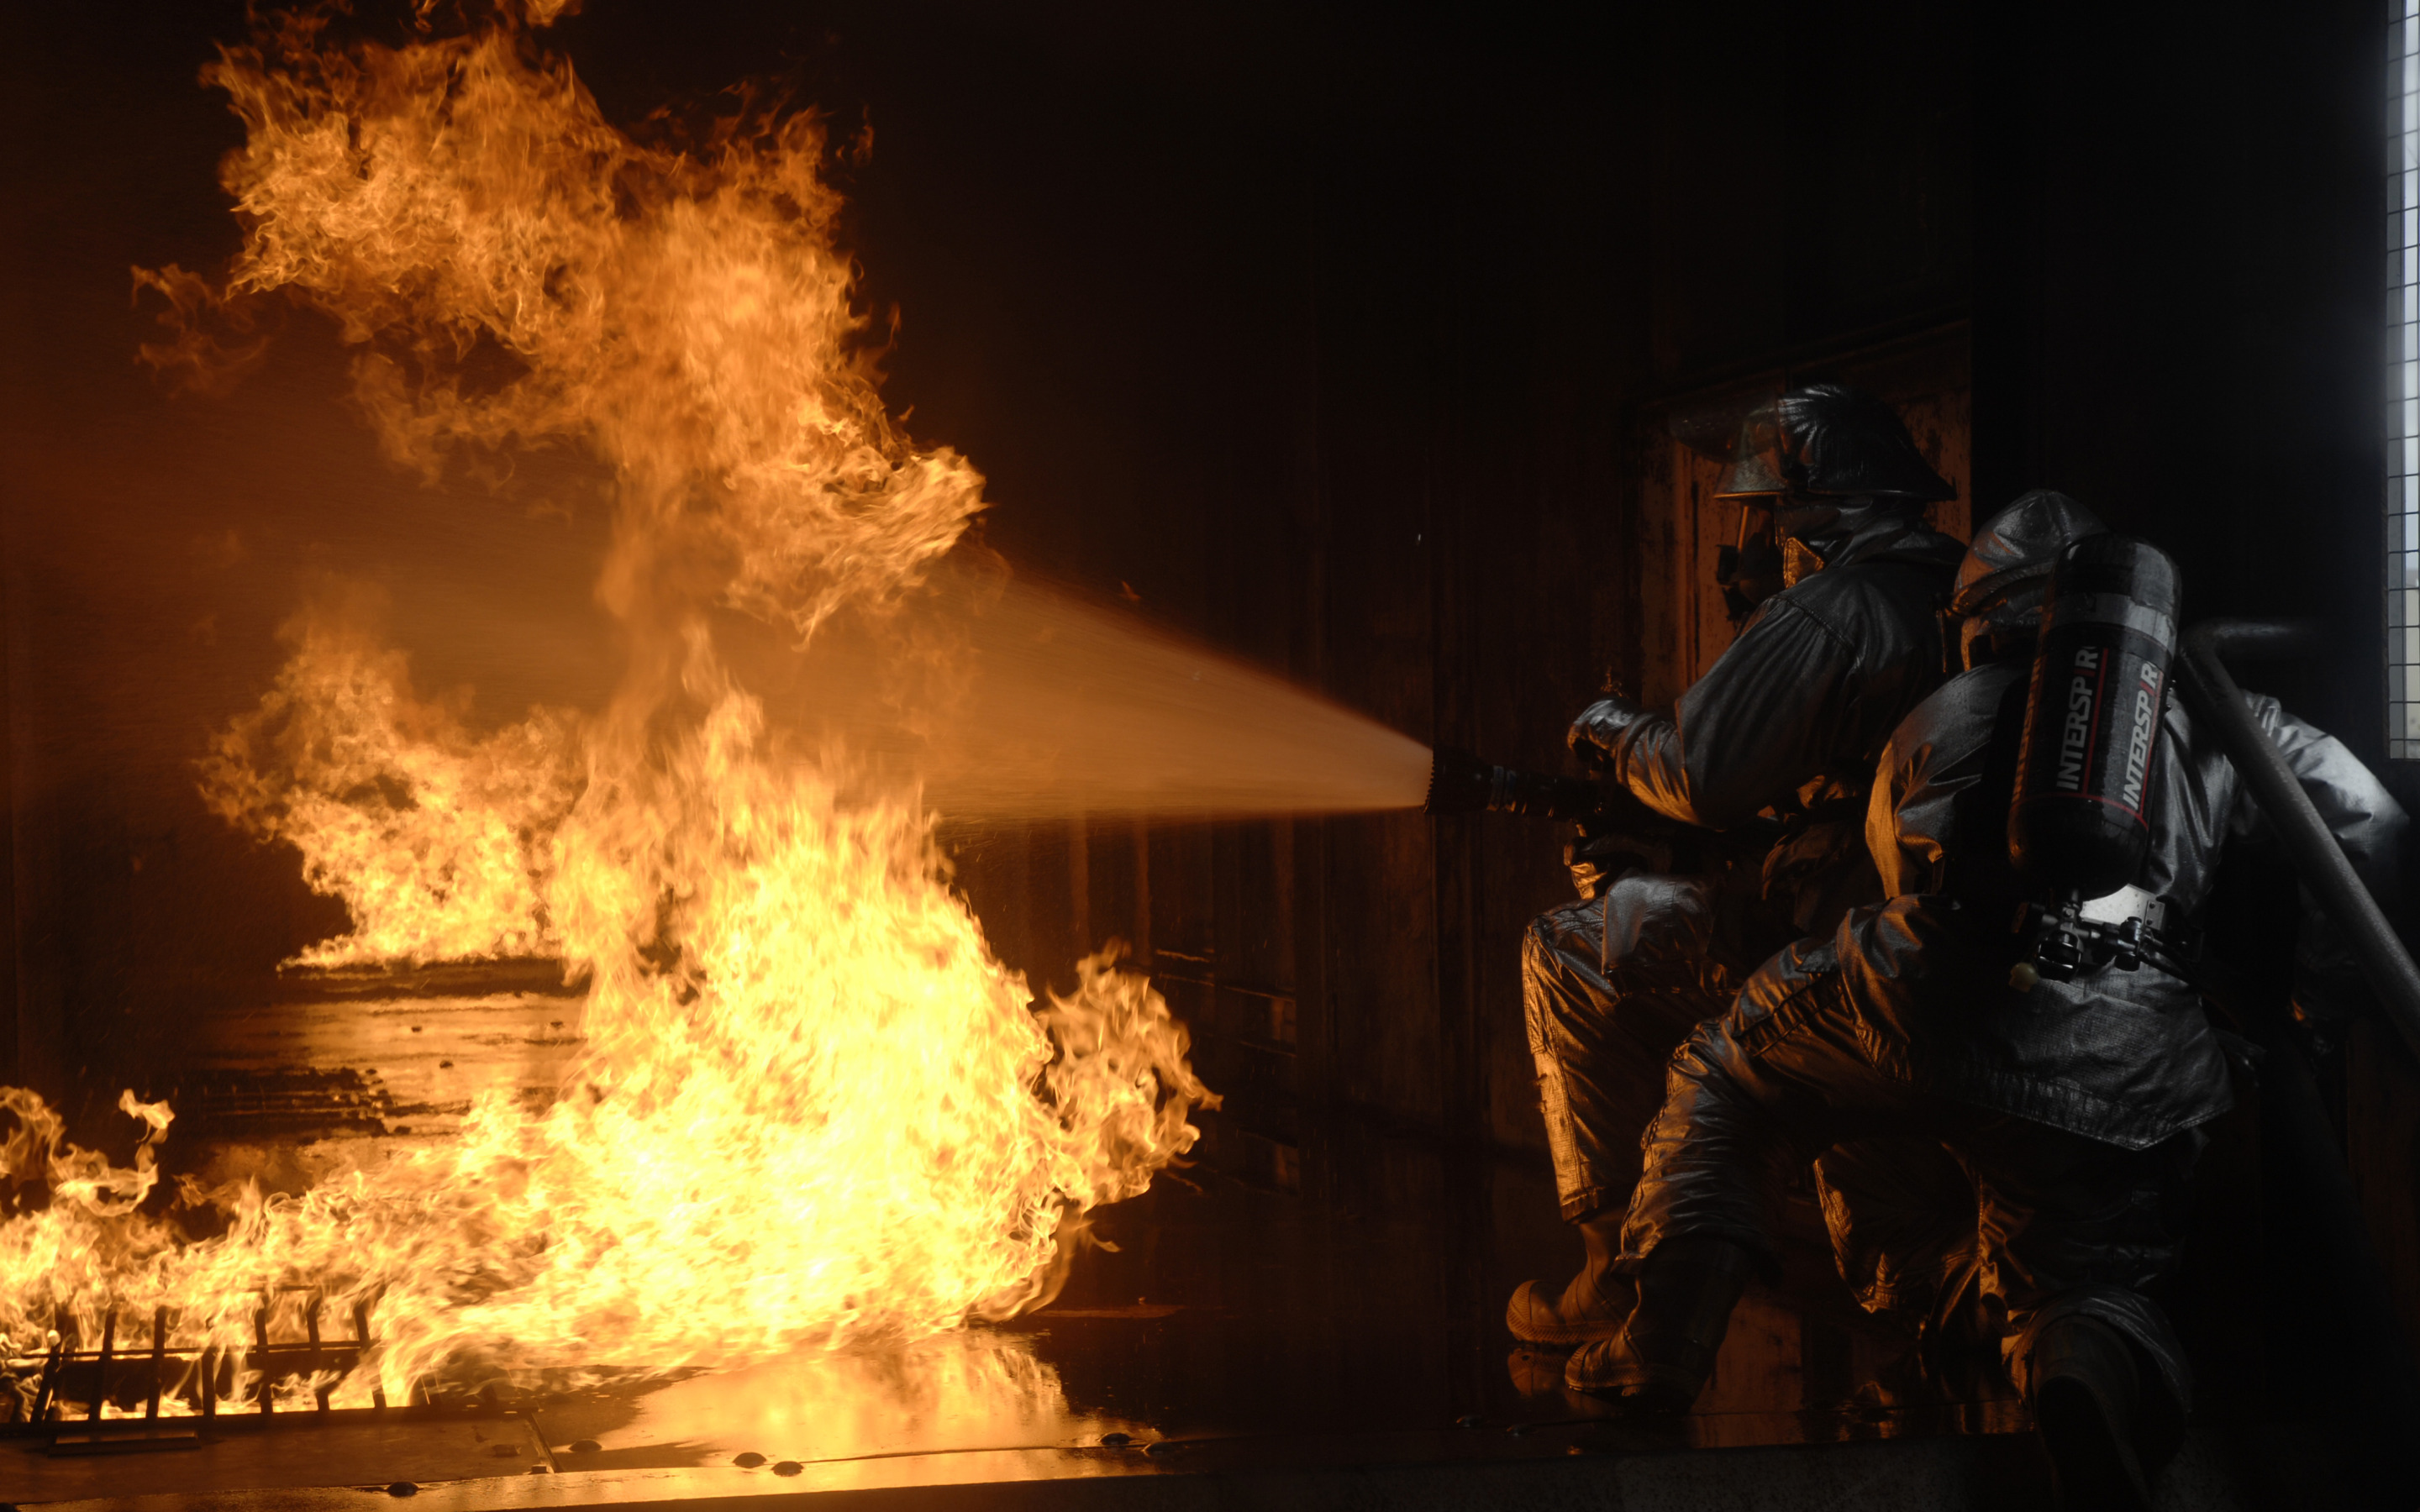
(2058, 1223)
(1612, 985)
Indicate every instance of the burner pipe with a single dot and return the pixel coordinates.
(100, 1366)
(311, 1362)
(159, 1362)
(362, 1351)
(260, 1343)
(62, 1325)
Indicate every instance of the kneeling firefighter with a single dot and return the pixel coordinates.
(2065, 1062)
(1788, 722)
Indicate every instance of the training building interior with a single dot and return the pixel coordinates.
(1364, 346)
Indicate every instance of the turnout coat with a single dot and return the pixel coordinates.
(2124, 1057)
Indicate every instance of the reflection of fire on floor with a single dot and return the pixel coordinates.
(324, 1071)
(365, 1055)
(1237, 1319)
(973, 1390)
(1237, 1328)
(358, 1450)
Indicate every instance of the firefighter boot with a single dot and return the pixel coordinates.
(1593, 1307)
(1660, 1360)
(2088, 1394)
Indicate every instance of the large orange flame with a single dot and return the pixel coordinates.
(440, 841)
(813, 1108)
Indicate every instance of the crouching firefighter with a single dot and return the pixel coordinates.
(2047, 823)
(1789, 719)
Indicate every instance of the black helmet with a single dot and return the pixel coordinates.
(1831, 442)
(2006, 576)
(2015, 550)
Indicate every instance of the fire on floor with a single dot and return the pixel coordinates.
(1232, 1325)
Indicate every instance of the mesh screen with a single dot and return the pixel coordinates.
(2403, 382)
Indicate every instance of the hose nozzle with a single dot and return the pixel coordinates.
(1460, 782)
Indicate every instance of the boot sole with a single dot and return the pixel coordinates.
(1553, 1335)
(2096, 1470)
(1646, 1390)
(1564, 1338)
(1662, 1399)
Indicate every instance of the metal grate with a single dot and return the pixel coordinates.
(134, 1369)
(2403, 381)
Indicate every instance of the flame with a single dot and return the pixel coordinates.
(812, 1108)
(439, 841)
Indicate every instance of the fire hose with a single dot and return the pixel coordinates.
(1622, 833)
(2301, 1123)
(2213, 697)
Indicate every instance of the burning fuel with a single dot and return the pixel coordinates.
(813, 1108)
(440, 843)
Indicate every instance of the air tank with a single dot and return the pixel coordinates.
(2084, 772)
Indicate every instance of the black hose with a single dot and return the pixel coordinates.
(2297, 1118)
(2213, 698)
(1460, 782)
(2326, 1202)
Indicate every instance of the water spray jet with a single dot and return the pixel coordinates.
(1009, 700)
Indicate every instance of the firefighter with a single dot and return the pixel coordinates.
(2074, 1102)
(1788, 724)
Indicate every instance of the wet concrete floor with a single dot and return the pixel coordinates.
(1355, 1298)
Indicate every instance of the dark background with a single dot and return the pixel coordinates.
(1341, 338)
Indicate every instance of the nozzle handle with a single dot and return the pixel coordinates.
(1460, 782)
